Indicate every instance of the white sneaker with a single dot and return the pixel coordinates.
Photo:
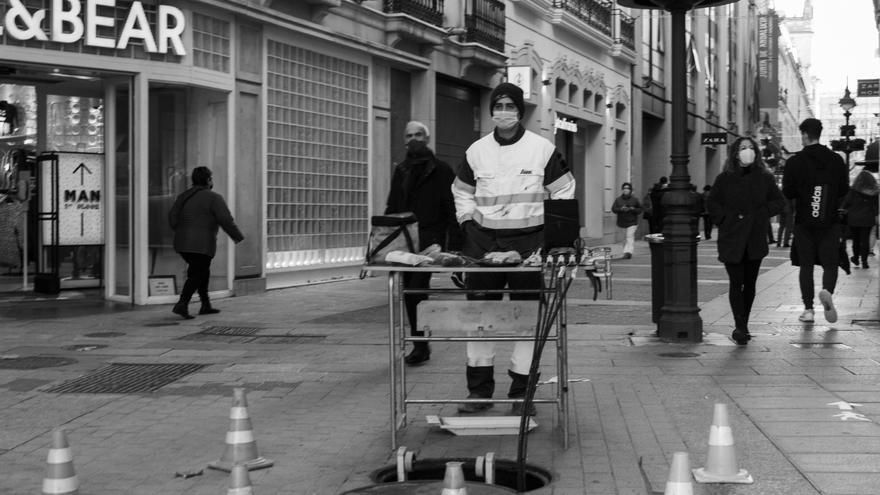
(828, 305)
(807, 316)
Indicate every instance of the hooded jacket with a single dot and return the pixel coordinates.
(861, 201)
(196, 217)
(741, 203)
(817, 179)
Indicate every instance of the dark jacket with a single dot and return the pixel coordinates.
(422, 184)
(741, 203)
(817, 179)
(629, 217)
(195, 219)
(861, 201)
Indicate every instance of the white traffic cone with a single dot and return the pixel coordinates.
(241, 448)
(239, 481)
(679, 481)
(453, 479)
(60, 476)
(721, 457)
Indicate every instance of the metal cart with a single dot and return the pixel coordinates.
(399, 335)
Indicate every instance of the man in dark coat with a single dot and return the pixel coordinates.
(421, 184)
(653, 208)
(196, 217)
(817, 179)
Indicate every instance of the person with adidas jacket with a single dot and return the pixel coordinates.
(817, 179)
(499, 193)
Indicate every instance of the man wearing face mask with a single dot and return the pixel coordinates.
(499, 200)
(817, 179)
(421, 185)
(741, 201)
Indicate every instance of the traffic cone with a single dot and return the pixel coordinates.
(721, 457)
(679, 481)
(60, 477)
(453, 479)
(239, 481)
(241, 448)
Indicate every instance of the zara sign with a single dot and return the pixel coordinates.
(69, 21)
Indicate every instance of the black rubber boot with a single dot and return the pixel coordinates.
(518, 386)
(481, 385)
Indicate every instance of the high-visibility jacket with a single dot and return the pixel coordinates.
(502, 184)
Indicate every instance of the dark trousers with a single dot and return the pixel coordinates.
(415, 280)
(198, 273)
(786, 224)
(861, 242)
(707, 226)
(816, 246)
(743, 277)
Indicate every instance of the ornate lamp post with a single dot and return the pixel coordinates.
(679, 316)
(847, 104)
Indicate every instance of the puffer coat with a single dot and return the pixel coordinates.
(196, 217)
(741, 203)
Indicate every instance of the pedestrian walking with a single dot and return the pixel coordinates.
(707, 218)
(817, 179)
(786, 226)
(653, 209)
(196, 216)
(499, 200)
(860, 209)
(741, 201)
(628, 209)
(421, 185)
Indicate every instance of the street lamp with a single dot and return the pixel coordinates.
(679, 316)
(847, 104)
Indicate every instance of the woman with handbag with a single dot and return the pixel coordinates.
(860, 207)
(742, 201)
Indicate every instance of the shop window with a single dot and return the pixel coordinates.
(188, 127)
(211, 42)
(317, 189)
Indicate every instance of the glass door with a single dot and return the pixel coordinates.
(118, 134)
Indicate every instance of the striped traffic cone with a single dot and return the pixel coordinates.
(721, 456)
(241, 448)
(60, 477)
(453, 479)
(679, 481)
(239, 481)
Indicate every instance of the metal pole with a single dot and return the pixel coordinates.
(847, 115)
(679, 318)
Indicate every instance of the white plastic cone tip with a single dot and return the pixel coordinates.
(679, 482)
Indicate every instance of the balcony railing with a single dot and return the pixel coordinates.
(627, 31)
(430, 11)
(596, 13)
(484, 20)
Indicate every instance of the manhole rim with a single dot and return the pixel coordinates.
(541, 474)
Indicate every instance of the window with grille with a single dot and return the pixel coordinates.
(210, 42)
(317, 158)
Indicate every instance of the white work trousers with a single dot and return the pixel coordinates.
(629, 243)
(483, 354)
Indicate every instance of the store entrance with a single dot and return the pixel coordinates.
(64, 175)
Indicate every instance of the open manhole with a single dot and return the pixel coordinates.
(33, 362)
(126, 379)
(83, 347)
(435, 469)
(678, 354)
(820, 345)
(104, 335)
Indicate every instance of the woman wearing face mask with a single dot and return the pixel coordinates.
(741, 202)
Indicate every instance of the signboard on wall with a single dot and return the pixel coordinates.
(768, 60)
(868, 87)
(712, 138)
(80, 202)
(521, 76)
(73, 20)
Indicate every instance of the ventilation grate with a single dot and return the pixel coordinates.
(255, 339)
(126, 379)
(237, 331)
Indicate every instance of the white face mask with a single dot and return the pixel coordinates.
(746, 157)
(505, 120)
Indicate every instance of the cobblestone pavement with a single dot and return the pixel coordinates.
(314, 363)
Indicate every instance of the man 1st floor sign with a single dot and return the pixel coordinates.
(713, 138)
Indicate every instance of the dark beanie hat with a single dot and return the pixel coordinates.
(511, 90)
(627, 185)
